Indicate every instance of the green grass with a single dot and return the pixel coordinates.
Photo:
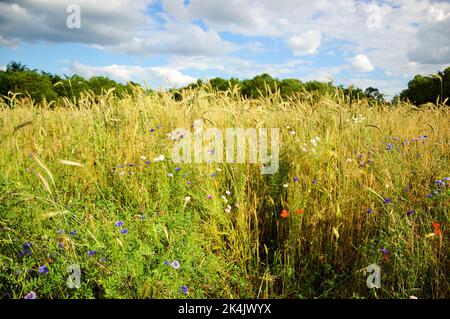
(251, 252)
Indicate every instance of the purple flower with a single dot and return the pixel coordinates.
(369, 211)
(213, 175)
(188, 182)
(295, 179)
(118, 223)
(148, 162)
(314, 181)
(430, 195)
(31, 295)
(167, 263)
(73, 233)
(152, 130)
(410, 212)
(210, 196)
(384, 251)
(177, 169)
(60, 245)
(142, 217)
(175, 264)
(124, 231)
(389, 147)
(43, 270)
(26, 246)
(91, 252)
(184, 290)
(387, 200)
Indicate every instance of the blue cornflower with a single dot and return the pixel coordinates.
(177, 169)
(295, 179)
(389, 146)
(148, 162)
(384, 251)
(43, 270)
(124, 231)
(184, 290)
(118, 223)
(213, 175)
(31, 295)
(91, 252)
(26, 246)
(369, 211)
(430, 195)
(167, 263)
(73, 233)
(175, 264)
(387, 200)
(410, 212)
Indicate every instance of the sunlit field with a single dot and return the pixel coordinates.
(94, 185)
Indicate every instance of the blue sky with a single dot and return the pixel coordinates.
(173, 42)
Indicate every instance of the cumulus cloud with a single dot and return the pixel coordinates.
(433, 37)
(159, 76)
(305, 44)
(362, 63)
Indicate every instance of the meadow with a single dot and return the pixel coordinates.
(85, 184)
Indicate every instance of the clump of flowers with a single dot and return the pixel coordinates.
(284, 213)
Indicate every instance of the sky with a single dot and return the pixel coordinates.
(171, 43)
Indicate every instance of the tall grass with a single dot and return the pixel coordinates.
(82, 167)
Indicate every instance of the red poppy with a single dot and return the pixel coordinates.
(437, 228)
(299, 211)
(284, 213)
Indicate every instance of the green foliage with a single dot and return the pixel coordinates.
(428, 89)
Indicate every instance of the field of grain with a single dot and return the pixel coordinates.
(86, 185)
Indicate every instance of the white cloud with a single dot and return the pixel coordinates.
(2, 68)
(362, 63)
(305, 44)
(158, 76)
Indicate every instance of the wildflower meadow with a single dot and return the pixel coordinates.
(92, 204)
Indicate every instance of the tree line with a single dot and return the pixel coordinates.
(40, 85)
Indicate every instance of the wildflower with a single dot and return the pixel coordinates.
(187, 199)
(210, 196)
(169, 174)
(286, 185)
(228, 193)
(413, 297)
(292, 132)
(73, 233)
(387, 200)
(224, 199)
(369, 211)
(143, 158)
(177, 169)
(124, 231)
(142, 217)
(284, 213)
(26, 246)
(430, 195)
(437, 228)
(410, 212)
(160, 158)
(228, 209)
(91, 252)
(175, 264)
(389, 147)
(314, 182)
(299, 211)
(118, 223)
(385, 251)
(295, 179)
(43, 270)
(188, 182)
(167, 263)
(184, 290)
(31, 295)
(152, 130)
(213, 175)
(349, 160)
(60, 245)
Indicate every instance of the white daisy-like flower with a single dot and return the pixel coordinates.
(286, 185)
(187, 199)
